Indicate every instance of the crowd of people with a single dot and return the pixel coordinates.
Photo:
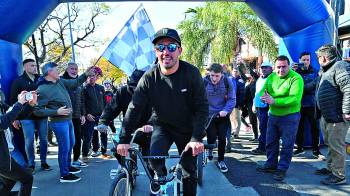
(174, 103)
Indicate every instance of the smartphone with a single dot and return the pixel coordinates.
(29, 96)
(301, 66)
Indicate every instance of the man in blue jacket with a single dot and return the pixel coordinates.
(222, 99)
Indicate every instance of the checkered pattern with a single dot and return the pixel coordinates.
(132, 48)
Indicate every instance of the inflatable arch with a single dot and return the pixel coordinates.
(301, 25)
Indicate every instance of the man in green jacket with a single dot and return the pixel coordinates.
(283, 91)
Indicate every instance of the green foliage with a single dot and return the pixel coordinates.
(215, 29)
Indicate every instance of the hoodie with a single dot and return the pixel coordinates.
(53, 95)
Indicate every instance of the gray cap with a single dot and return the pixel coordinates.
(47, 67)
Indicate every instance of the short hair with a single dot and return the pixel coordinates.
(28, 61)
(215, 67)
(71, 63)
(282, 58)
(304, 54)
(329, 51)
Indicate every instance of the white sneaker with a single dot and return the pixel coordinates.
(95, 154)
(222, 166)
(79, 164)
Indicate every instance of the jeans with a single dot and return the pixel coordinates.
(18, 142)
(334, 136)
(18, 157)
(64, 132)
(218, 129)
(162, 139)
(284, 128)
(29, 127)
(78, 137)
(263, 118)
(8, 179)
(308, 114)
(87, 135)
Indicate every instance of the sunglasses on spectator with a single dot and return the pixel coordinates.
(161, 47)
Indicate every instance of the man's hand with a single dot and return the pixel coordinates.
(346, 117)
(64, 111)
(22, 97)
(90, 71)
(267, 98)
(90, 118)
(82, 120)
(34, 101)
(16, 124)
(102, 128)
(222, 113)
(197, 147)
(147, 128)
(122, 149)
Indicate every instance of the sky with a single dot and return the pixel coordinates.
(161, 14)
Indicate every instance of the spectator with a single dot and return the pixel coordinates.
(221, 99)
(248, 104)
(94, 103)
(29, 123)
(109, 90)
(283, 91)
(262, 108)
(307, 107)
(333, 107)
(78, 115)
(54, 102)
(10, 170)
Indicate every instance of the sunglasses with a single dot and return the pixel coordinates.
(170, 47)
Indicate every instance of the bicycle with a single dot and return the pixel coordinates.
(125, 179)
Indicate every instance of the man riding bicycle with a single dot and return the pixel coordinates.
(176, 92)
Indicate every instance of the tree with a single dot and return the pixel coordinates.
(217, 30)
(110, 72)
(52, 37)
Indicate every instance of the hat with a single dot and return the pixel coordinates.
(217, 68)
(134, 78)
(266, 64)
(107, 82)
(47, 67)
(167, 33)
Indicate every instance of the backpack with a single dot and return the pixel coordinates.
(227, 86)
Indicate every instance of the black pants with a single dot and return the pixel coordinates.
(253, 121)
(217, 129)
(308, 114)
(8, 179)
(78, 138)
(162, 139)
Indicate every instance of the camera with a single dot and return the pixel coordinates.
(300, 66)
(29, 96)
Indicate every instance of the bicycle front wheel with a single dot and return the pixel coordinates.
(120, 186)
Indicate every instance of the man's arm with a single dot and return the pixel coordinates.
(295, 93)
(40, 110)
(9, 117)
(74, 83)
(201, 107)
(342, 78)
(15, 90)
(311, 86)
(231, 97)
(135, 110)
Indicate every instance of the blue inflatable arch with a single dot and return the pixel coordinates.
(302, 26)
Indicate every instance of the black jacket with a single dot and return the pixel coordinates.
(20, 84)
(333, 91)
(178, 100)
(119, 103)
(5, 122)
(94, 99)
(76, 98)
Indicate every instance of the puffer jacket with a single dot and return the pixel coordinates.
(309, 76)
(76, 98)
(333, 91)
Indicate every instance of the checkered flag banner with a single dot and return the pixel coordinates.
(132, 48)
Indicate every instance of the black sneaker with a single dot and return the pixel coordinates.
(45, 167)
(222, 166)
(298, 152)
(318, 155)
(279, 175)
(265, 169)
(257, 151)
(210, 155)
(323, 172)
(333, 180)
(74, 170)
(154, 188)
(70, 178)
